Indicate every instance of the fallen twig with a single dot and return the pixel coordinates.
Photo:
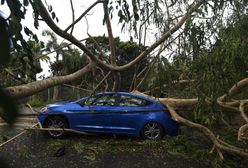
(56, 129)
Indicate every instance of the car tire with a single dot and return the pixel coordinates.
(152, 131)
(56, 122)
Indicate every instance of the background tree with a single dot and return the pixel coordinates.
(125, 52)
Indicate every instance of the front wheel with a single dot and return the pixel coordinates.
(56, 122)
(152, 131)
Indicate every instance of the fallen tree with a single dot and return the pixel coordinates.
(167, 33)
(218, 144)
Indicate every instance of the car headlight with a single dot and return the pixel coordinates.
(43, 110)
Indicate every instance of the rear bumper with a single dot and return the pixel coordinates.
(172, 128)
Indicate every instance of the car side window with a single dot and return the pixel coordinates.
(126, 100)
(103, 100)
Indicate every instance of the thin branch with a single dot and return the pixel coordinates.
(133, 83)
(146, 75)
(82, 15)
(75, 87)
(99, 84)
(101, 56)
(243, 128)
(241, 132)
(242, 110)
(110, 34)
(150, 67)
(161, 49)
(236, 88)
(56, 129)
(106, 82)
(16, 136)
(73, 16)
(9, 71)
(141, 72)
(57, 49)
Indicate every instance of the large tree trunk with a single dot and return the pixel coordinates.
(37, 86)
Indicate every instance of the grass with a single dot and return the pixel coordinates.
(91, 149)
(36, 102)
(4, 137)
(24, 151)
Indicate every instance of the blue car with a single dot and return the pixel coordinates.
(110, 112)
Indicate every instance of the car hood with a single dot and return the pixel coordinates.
(62, 107)
(59, 104)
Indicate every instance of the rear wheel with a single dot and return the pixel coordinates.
(56, 122)
(152, 131)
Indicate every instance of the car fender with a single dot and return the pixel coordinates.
(43, 118)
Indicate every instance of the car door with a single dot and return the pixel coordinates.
(95, 116)
(130, 113)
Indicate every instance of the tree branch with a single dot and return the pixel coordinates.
(219, 144)
(56, 49)
(37, 86)
(82, 15)
(46, 17)
(73, 16)
(14, 76)
(236, 88)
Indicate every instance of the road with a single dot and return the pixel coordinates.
(26, 118)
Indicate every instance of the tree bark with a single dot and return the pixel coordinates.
(55, 93)
(37, 86)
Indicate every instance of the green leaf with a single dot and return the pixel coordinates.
(25, 2)
(36, 23)
(4, 43)
(53, 15)
(50, 8)
(8, 108)
(136, 16)
(27, 31)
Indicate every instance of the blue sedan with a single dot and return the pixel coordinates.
(110, 112)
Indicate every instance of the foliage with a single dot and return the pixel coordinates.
(214, 68)
(21, 67)
(8, 109)
(125, 52)
(5, 43)
(225, 63)
(35, 102)
(67, 58)
(24, 151)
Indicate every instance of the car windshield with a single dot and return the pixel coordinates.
(81, 101)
